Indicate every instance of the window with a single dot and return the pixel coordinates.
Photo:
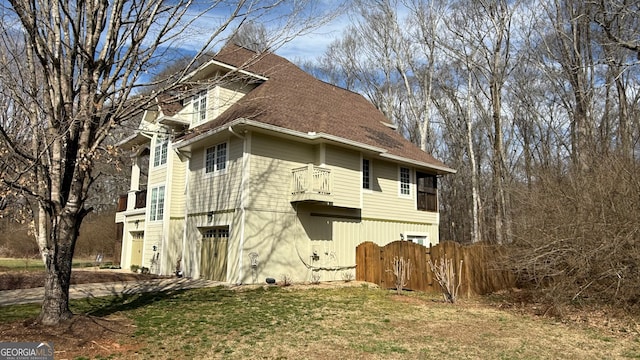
(199, 107)
(427, 192)
(422, 239)
(160, 152)
(156, 211)
(366, 174)
(216, 158)
(405, 181)
(216, 233)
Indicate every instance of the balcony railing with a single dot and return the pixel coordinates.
(122, 203)
(140, 201)
(311, 183)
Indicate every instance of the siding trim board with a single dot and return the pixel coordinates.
(348, 217)
(216, 212)
(399, 221)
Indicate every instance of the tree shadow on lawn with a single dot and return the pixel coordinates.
(105, 306)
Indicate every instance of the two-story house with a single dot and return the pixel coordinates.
(260, 170)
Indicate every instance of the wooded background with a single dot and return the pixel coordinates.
(535, 103)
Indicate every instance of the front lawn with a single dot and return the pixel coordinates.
(340, 323)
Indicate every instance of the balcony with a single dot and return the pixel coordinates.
(311, 184)
(140, 201)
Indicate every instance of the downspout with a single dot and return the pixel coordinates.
(243, 195)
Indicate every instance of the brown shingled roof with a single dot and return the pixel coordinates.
(169, 105)
(295, 100)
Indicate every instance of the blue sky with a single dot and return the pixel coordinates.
(313, 45)
(308, 46)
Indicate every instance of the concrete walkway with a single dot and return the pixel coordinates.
(35, 295)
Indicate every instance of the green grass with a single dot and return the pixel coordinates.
(348, 323)
(18, 312)
(22, 264)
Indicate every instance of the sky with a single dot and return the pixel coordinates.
(312, 46)
(308, 46)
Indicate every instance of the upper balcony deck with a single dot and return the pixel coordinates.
(140, 201)
(311, 184)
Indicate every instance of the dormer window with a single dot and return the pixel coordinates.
(199, 107)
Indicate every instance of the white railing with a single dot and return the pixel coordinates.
(311, 179)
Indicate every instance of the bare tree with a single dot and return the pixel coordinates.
(253, 36)
(76, 78)
(568, 45)
(621, 26)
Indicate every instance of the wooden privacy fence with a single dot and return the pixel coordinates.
(479, 275)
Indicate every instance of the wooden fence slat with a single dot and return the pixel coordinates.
(478, 274)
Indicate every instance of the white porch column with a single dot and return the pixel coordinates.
(135, 182)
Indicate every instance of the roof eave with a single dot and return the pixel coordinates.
(138, 138)
(440, 170)
(172, 121)
(310, 136)
(211, 63)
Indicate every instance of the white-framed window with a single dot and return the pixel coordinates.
(199, 107)
(156, 208)
(418, 238)
(216, 158)
(366, 174)
(160, 151)
(405, 181)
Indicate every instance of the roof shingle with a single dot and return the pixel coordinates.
(295, 100)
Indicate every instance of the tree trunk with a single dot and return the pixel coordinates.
(624, 127)
(475, 191)
(58, 260)
(55, 306)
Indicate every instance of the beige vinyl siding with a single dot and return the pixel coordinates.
(383, 232)
(177, 186)
(152, 236)
(228, 94)
(173, 246)
(335, 233)
(157, 176)
(384, 202)
(215, 192)
(345, 170)
(274, 237)
(272, 161)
